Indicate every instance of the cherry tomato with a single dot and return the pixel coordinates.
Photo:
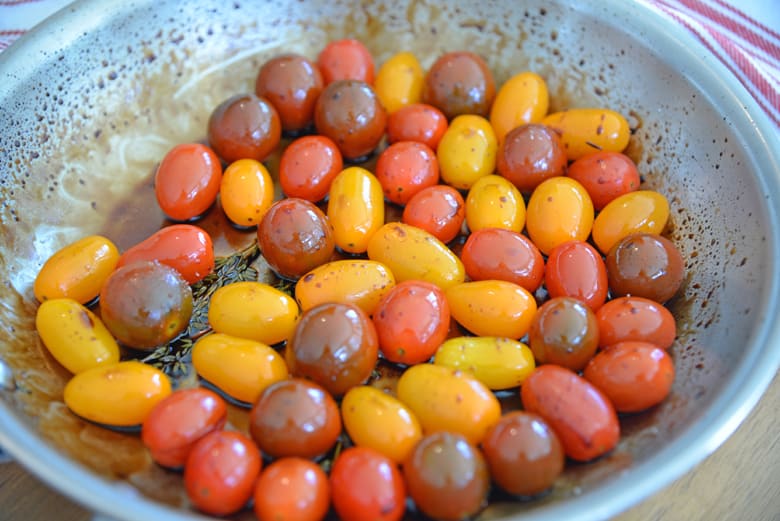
(292, 84)
(244, 127)
(417, 122)
(411, 321)
(564, 332)
(460, 83)
(645, 265)
(185, 248)
(367, 486)
(404, 168)
(605, 175)
(439, 210)
(221, 471)
(494, 202)
(579, 413)
(346, 60)
(492, 307)
(522, 99)
(292, 489)
(467, 151)
(635, 318)
(447, 477)
(187, 181)
(585, 130)
(399, 81)
(523, 453)
(308, 167)
(575, 269)
(246, 192)
(633, 375)
(356, 208)
(177, 422)
(529, 155)
(559, 210)
(642, 211)
(295, 417)
(295, 237)
(497, 253)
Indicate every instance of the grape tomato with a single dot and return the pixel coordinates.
(522, 99)
(635, 318)
(308, 167)
(559, 210)
(399, 82)
(587, 130)
(244, 127)
(292, 489)
(498, 362)
(346, 59)
(418, 122)
(645, 265)
(497, 253)
(576, 269)
(492, 307)
(460, 83)
(292, 83)
(564, 332)
(642, 211)
(605, 175)
(246, 192)
(440, 210)
(356, 208)
(467, 151)
(530, 154)
(494, 202)
(187, 180)
(404, 168)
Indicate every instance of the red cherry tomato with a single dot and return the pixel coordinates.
(367, 486)
(417, 122)
(244, 127)
(405, 168)
(187, 181)
(635, 318)
(292, 489)
(346, 60)
(497, 253)
(221, 471)
(605, 176)
(575, 269)
(177, 422)
(185, 248)
(292, 84)
(633, 375)
(439, 210)
(308, 166)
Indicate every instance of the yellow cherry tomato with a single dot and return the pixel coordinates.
(584, 131)
(494, 202)
(255, 311)
(120, 394)
(643, 211)
(360, 282)
(499, 363)
(77, 271)
(559, 210)
(375, 419)
(522, 99)
(74, 336)
(356, 208)
(445, 399)
(239, 367)
(246, 192)
(467, 151)
(399, 82)
(411, 253)
(492, 307)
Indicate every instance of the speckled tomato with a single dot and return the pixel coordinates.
(494, 202)
(467, 151)
(492, 307)
(645, 265)
(246, 192)
(642, 211)
(564, 332)
(496, 253)
(440, 210)
(605, 175)
(460, 83)
(635, 318)
(356, 208)
(404, 168)
(522, 99)
(292, 83)
(418, 122)
(530, 154)
(244, 127)
(187, 181)
(308, 167)
(575, 269)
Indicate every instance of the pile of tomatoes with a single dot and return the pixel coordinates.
(526, 260)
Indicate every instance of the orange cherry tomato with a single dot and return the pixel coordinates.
(292, 84)
(642, 211)
(635, 318)
(246, 192)
(184, 247)
(346, 60)
(187, 181)
(367, 486)
(559, 210)
(308, 166)
(633, 375)
(498, 253)
(605, 175)
(221, 471)
(417, 122)
(405, 168)
(292, 489)
(576, 269)
(439, 210)
(580, 414)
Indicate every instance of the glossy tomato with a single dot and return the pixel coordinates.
(645, 265)
(244, 127)
(641, 211)
(467, 151)
(494, 202)
(522, 99)
(404, 168)
(308, 167)
(564, 332)
(292, 84)
(497, 253)
(559, 210)
(492, 307)
(418, 122)
(356, 208)
(292, 489)
(605, 175)
(246, 192)
(439, 210)
(399, 81)
(635, 318)
(575, 269)
(460, 83)
(530, 154)
(187, 181)
(346, 60)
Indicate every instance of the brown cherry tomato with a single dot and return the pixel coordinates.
(308, 166)
(497, 253)
(220, 472)
(447, 477)
(633, 375)
(295, 237)
(244, 127)
(605, 175)
(575, 269)
(523, 453)
(404, 169)
(645, 265)
(292, 489)
(529, 155)
(187, 181)
(335, 345)
(177, 422)
(412, 321)
(292, 84)
(635, 318)
(346, 60)
(580, 414)
(460, 83)
(439, 210)
(367, 486)
(417, 122)
(295, 417)
(564, 332)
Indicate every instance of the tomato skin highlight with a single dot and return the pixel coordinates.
(187, 181)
